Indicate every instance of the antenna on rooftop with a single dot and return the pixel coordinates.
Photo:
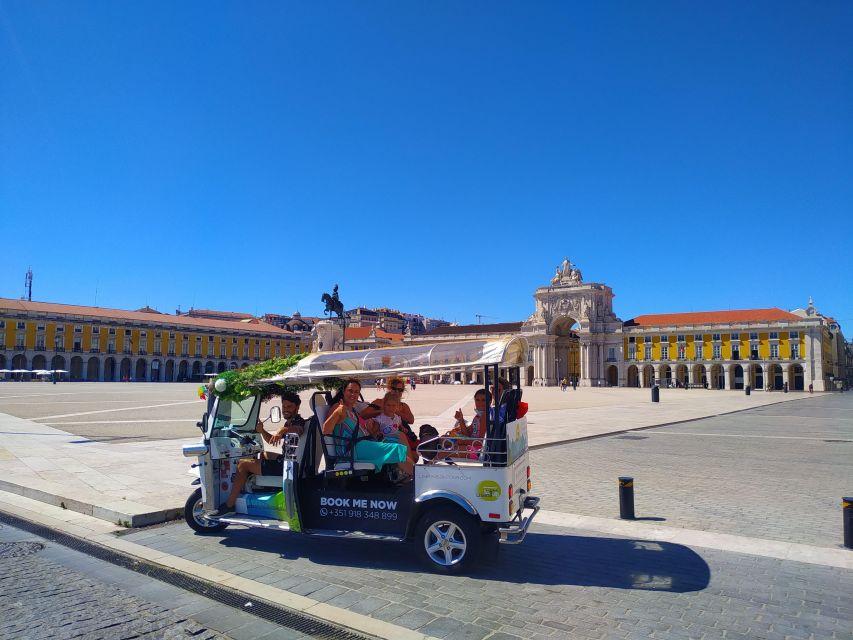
(28, 285)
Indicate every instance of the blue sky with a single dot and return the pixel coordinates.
(435, 157)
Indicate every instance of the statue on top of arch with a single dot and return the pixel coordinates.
(567, 274)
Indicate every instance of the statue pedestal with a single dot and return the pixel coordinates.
(327, 335)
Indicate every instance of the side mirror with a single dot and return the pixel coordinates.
(202, 424)
(275, 414)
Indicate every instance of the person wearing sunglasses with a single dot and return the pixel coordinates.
(394, 384)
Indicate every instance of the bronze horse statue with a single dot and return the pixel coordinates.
(333, 304)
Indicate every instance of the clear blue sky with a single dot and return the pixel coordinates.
(436, 157)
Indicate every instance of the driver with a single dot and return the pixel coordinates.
(269, 464)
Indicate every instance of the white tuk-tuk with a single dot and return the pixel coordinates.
(472, 489)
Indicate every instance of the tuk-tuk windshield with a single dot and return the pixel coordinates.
(234, 413)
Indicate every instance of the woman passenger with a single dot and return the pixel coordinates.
(395, 384)
(343, 423)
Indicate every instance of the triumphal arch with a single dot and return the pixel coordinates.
(573, 333)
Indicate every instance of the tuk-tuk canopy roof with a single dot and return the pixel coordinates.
(418, 359)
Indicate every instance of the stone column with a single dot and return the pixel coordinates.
(785, 378)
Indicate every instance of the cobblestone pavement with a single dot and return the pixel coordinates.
(48, 591)
(578, 584)
(775, 472)
(561, 583)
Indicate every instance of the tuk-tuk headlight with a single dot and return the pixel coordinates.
(194, 450)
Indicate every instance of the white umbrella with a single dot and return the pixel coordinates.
(5, 371)
(59, 371)
(20, 371)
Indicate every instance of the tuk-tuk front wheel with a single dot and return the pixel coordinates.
(194, 515)
(448, 538)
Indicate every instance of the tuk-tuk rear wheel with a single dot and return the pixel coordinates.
(448, 538)
(194, 515)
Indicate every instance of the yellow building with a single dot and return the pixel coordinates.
(759, 348)
(93, 343)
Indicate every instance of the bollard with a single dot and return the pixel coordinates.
(626, 498)
(785, 387)
(747, 390)
(655, 393)
(847, 515)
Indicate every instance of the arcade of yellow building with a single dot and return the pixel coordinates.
(96, 344)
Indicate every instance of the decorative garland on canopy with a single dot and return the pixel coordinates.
(239, 384)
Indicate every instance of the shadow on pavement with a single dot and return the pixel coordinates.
(543, 558)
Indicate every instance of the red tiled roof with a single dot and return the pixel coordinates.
(500, 327)
(713, 317)
(218, 315)
(142, 317)
(362, 333)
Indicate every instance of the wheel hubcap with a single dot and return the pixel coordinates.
(198, 514)
(445, 543)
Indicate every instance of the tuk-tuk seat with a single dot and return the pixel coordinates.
(268, 481)
(320, 404)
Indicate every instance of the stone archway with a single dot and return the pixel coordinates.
(19, 361)
(758, 377)
(665, 376)
(529, 381)
(699, 374)
(141, 371)
(774, 377)
(648, 376)
(737, 376)
(566, 348)
(208, 366)
(76, 369)
(220, 368)
(681, 375)
(39, 362)
(715, 381)
(58, 362)
(612, 376)
(196, 370)
(633, 378)
(93, 369)
(155, 371)
(169, 376)
(573, 330)
(124, 369)
(109, 370)
(795, 375)
(183, 371)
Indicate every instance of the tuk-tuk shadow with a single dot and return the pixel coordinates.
(543, 558)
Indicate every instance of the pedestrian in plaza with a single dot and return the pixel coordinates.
(564, 384)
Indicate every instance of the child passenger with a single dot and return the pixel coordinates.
(389, 425)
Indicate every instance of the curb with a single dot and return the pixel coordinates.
(115, 512)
